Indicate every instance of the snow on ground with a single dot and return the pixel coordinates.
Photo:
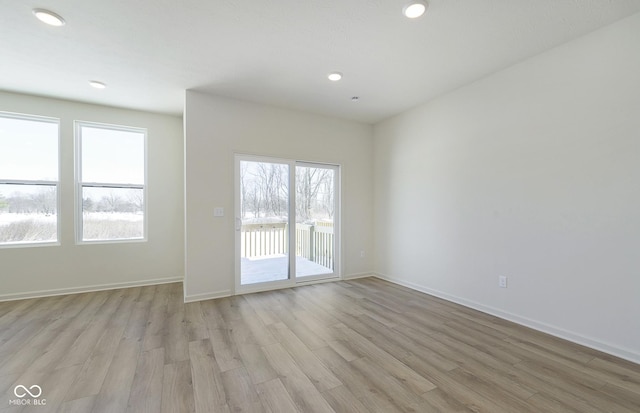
(114, 216)
(7, 218)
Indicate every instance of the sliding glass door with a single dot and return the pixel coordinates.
(286, 222)
(315, 220)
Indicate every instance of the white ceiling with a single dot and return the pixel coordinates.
(280, 51)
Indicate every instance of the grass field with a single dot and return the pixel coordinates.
(24, 228)
(113, 226)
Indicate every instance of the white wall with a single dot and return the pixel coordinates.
(532, 173)
(33, 271)
(217, 128)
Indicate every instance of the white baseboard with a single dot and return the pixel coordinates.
(207, 296)
(227, 293)
(614, 350)
(358, 275)
(87, 289)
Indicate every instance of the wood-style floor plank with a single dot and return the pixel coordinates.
(274, 397)
(83, 405)
(312, 367)
(372, 397)
(147, 383)
(241, 393)
(302, 391)
(343, 401)
(208, 390)
(117, 384)
(357, 346)
(177, 388)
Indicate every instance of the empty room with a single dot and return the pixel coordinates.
(320, 206)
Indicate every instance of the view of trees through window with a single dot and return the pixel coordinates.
(112, 181)
(264, 191)
(314, 194)
(112, 213)
(269, 236)
(28, 213)
(28, 179)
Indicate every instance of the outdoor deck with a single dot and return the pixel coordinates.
(275, 268)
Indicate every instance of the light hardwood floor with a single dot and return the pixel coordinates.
(359, 346)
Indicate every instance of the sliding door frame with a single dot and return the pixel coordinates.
(292, 281)
(336, 223)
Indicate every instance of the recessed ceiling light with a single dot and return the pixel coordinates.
(335, 76)
(97, 85)
(415, 9)
(48, 17)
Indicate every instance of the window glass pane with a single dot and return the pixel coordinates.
(112, 156)
(28, 213)
(315, 209)
(264, 206)
(28, 149)
(112, 213)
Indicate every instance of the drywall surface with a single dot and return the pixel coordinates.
(32, 271)
(531, 173)
(218, 128)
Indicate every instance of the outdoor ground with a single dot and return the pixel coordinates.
(274, 268)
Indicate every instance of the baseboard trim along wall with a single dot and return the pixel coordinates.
(536, 325)
(228, 293)
(88, 289)
(356, 276)
(207, 296)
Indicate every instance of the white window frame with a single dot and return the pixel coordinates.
(26, 182)
(78, 125)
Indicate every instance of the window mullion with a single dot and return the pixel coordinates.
(110, 185)
(27, 182)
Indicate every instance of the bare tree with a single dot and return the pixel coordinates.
(136, 200)
(272, 176)
(110, 202)
(244, 190)
(46, 201)
(309, 181)
(328, 199)
(3, 202)
(265, 191)
(265, 186)
(87, 205)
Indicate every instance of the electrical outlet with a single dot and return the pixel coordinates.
(502, 281)
(361, 254)
(218, 212)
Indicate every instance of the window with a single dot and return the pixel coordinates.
(111, 178)
(28, 179)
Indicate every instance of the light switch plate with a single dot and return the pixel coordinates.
(218, 212)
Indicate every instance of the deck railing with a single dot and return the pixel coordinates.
(258, 240)
(313, 242)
